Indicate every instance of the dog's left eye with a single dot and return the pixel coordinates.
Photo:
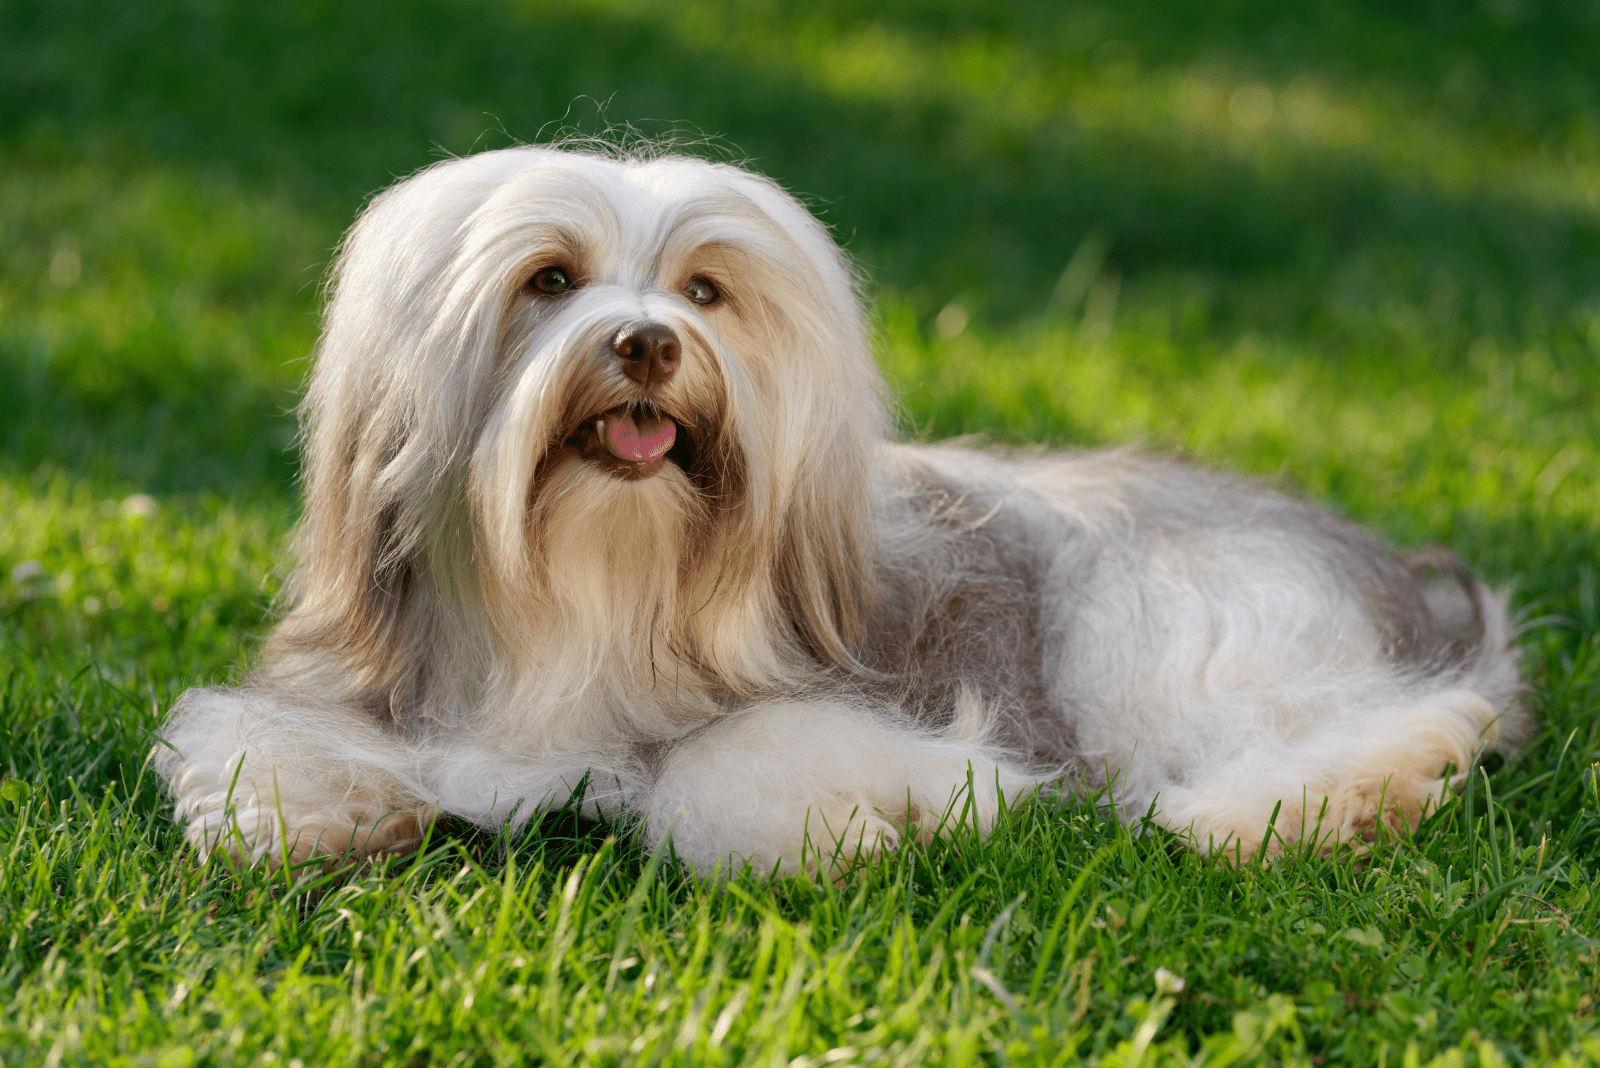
(700, 291)
(551, 280)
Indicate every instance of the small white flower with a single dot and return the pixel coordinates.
(1168, 983)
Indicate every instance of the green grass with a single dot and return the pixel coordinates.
(1353, 247)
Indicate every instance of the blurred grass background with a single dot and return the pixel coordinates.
(1352, 246)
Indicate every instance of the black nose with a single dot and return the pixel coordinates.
(649, 352)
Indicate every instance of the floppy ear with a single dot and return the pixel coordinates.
(399, 382)
(353, 558)
(824, 572)
(397, 373)
(831, 433)
(829, 441)
(352, 570)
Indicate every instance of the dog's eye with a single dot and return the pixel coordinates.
(701, 291)
(551, 280)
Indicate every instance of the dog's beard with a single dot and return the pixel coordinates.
(612, 552)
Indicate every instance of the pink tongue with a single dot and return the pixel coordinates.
(637, 440)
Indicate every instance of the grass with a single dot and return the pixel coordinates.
(1352, 247)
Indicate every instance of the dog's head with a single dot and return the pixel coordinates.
(607, 411)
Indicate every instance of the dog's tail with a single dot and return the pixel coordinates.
(1476, 623)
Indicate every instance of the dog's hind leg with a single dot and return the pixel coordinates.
(814, 785)
(267, 779)
(1335, 784)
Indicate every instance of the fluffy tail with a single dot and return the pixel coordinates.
(1476, 622)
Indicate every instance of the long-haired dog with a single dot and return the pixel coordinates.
(599, 491)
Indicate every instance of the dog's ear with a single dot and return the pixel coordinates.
(353, 564)
(824, 572)
(830, 455)
(398, 381)
(827, 421)
(373, 434)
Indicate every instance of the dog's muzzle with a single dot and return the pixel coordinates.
(633, 440)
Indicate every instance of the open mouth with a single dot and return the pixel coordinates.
(633, 441)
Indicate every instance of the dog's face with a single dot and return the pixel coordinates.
(617, 414)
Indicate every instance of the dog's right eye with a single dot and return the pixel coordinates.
(550, 280)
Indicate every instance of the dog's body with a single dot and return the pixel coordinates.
(599, 488)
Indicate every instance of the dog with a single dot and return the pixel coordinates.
(600, 494)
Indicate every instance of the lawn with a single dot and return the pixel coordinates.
(1353, 248)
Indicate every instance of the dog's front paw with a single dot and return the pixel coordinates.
(815, 787)
(269, 780)
(292, 821)
(843, 832)
(831, 837)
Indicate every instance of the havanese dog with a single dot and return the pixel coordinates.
(600, 494)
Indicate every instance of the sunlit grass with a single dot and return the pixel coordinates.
(1468, 436)
(1062, 937)
(1031, 85)
(153, 322)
